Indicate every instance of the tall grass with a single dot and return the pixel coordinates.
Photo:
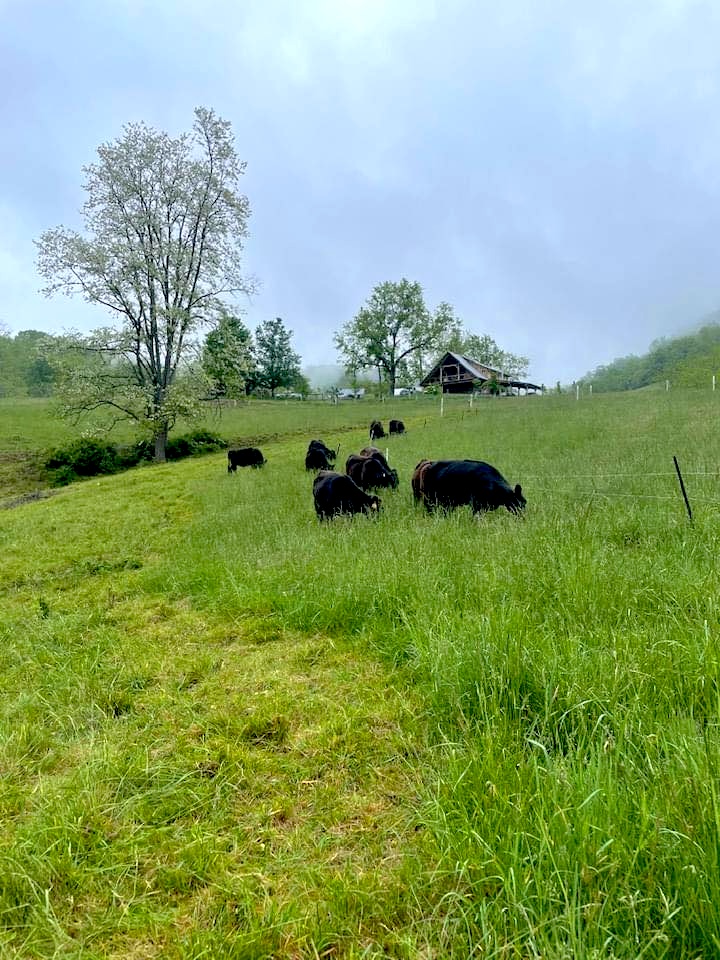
(506, 728)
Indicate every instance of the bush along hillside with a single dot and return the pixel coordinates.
(687, 361)
(90, 457)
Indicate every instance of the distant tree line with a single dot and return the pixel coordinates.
(232, 362)
(689, 361)
(25, 367)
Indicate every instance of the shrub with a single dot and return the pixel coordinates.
(130, 455)
(86, 457)
(62, 476)
(178, 447)
(199, 441)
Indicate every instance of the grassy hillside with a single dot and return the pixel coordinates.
(229, 730)
(28, 427)
(687, 361)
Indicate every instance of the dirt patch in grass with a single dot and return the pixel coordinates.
(26, 498)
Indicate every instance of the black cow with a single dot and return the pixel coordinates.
(319, 445)
(316, 460)
(397, 426)
(245, 457)
(372, 453)
(319, 457)
(335, 493)
(377, 454)
(453, 483)
(417, 481)
(370, 473)
(376, 430)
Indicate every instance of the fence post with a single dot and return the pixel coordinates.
(713, 382)
(577, 391)
(667, 386)
(682, 488)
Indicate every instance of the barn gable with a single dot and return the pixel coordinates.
(459, 374)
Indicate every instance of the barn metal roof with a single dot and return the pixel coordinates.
(472, 366)
(475, 369)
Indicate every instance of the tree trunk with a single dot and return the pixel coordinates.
(160, 445)
(391, 382)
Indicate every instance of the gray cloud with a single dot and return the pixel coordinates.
(550, 169)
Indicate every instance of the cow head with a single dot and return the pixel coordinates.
(517, 502)
(382, 476)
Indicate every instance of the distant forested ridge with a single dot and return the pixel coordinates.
(690, 360)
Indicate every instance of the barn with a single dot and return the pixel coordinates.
(458, 374)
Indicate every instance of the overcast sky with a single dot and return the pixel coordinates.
(552, 169)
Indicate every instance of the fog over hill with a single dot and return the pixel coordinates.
(690, 359)
(325, 375)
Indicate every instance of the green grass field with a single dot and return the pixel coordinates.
(228, 730)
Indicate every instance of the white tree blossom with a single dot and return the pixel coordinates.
(164, 227)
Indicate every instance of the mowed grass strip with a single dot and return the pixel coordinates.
(450, 736)
(174, 783)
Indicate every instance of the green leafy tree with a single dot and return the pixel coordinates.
(277, 363)
(25, 369)
(227, 357)
(164, 225)
(40, 378)
(393, 329)
(5, 360)
(301, 385)
(484, 349)
(35, 349)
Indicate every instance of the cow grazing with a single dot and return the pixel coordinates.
(397, 426)
(369, 474)
(319, 445)
(245, 457)
(319, 457)
(417, 480)
(370, 470)
(377, 454)
(335, 494)
(454, 483)
(316, 460)
(376, 431)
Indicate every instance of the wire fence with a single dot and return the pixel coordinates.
(578, 494)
